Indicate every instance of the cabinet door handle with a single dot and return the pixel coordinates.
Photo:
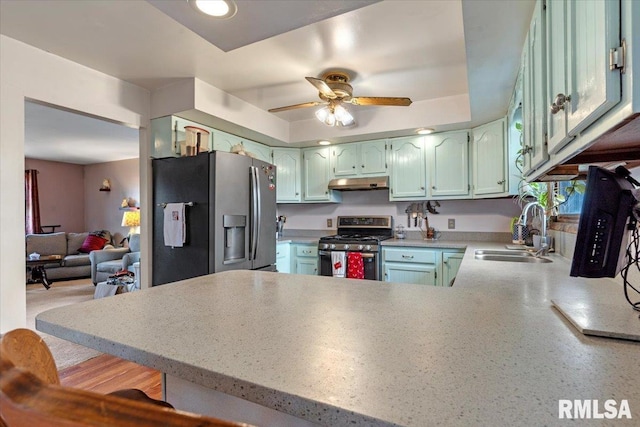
(422, 188)
(363, 166)
(297, 194)
(407, 256)
(501, 182)
(434, 187)
(354, 166)
(559, 102)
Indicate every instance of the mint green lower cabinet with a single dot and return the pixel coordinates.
(450, 265)
(420, 265)
(306, 259)
(411, 265)
(418, 274)
(283, 257)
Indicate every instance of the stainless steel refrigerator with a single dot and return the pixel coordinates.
(229, 215)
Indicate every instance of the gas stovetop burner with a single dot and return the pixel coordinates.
(368, 231)
(354, 237)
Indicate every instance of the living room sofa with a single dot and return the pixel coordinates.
(75, 264)
(106, 262)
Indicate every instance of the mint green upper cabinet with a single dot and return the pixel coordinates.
(288, 174)
(408, 177)
(580, 35)
(489, 152)
(316, 175)
(366, 158)
(557, 51)
(534, 106)
(345, 160)
(448, 163)
(223, 141)
(259, 151)
(373, 157)
(168, 136)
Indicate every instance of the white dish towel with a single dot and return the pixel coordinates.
(338, 263)
(174, 225)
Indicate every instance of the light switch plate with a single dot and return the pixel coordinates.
(452, 224)
(329, 222)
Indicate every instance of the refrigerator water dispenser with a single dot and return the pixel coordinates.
(234, 238)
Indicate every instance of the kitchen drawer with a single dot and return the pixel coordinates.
(409, 255)
(307, 251)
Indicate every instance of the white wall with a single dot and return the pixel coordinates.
(491, 215)
(29, 73)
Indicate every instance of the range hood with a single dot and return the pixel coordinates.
(349, 184)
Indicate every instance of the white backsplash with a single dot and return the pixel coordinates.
(485, 215)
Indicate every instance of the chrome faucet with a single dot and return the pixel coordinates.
(544, 245)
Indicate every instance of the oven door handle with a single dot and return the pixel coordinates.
(364, 255)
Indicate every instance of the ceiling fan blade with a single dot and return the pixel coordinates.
(293, 107)
(322, 87)
(379, 100)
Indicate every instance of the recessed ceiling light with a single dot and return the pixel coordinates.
(324, 142)
(221, 9)
(424, 131)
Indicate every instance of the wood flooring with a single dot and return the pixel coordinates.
(106, 373)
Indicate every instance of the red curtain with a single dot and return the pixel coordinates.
(31, 202)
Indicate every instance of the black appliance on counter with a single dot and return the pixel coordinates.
(357, 234)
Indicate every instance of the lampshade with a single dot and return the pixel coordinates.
(131, 219)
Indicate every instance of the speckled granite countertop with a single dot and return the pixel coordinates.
(489, 351)
(306, 240)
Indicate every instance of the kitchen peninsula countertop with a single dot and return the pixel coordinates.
(489, 351)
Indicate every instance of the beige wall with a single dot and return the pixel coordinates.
(70, 195)
(491, 215)
(61, 193)
(102, 208)
(30, 73)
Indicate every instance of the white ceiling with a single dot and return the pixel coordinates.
(426, 50)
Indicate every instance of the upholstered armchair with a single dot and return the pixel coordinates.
(107, 262)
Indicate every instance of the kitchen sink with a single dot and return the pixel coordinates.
(509, 256)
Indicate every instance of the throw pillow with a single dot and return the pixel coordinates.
(105, 234)
(92, 243)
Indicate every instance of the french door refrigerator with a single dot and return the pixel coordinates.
(229, 215)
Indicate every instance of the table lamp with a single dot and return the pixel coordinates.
(131, 219)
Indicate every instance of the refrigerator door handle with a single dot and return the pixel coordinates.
(255, 214)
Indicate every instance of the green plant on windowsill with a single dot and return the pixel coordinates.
(540, 191)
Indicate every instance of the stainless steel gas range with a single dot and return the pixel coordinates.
(361, 234)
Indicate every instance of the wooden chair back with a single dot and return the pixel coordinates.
(26, 349)
(27, 401)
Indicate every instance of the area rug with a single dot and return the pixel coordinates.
(61, 293)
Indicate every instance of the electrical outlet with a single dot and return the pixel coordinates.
(452, 224)
(329, 222)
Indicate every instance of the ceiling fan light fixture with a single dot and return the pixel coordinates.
(335, 116)
(326, 116)
(343, 116)
(220, 9)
